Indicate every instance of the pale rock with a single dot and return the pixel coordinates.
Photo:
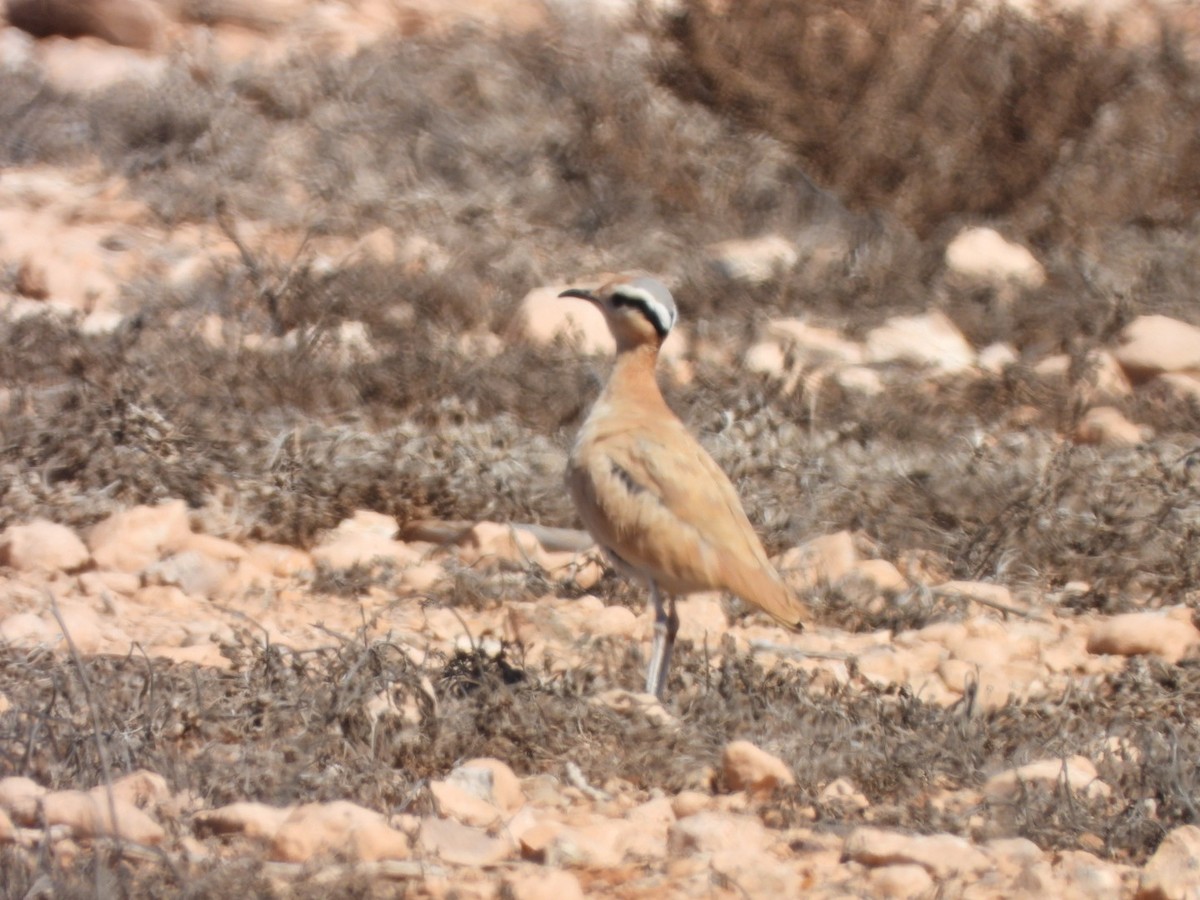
(929, 339)
(1134, 634)
(26, 630)
(132, 539)
(813, 346)
(87, 631)
(315, 830)
(280, 560)
(765, 358)
(842, 794)
(87, 816)
(101, 322)
(992, 684)
(469, 794)
(995, 358)
(42, 545)
(496, 542)
(537, 840)
(193, 573)
(712, 832)
(979, 651)
(902, 880)
(546, 317)
(19, 797)
(422, 577)
(611, 621)
(1173, 872)
(746, 767)
(142, 789)
(701, 619)
(544, 884)
(215, 548)
(1089, 876)
(254, 820)
(1156, 345)
(883, 665)
(8, 831)
(821, 560)
(688, 803)
(980, 254)
(942, 855)
(1106, 426)
(369, 522)
(1078, 773)
(376, 841)
(347, 551)
(1183, 386)
(1021, 851)
(100, 584)
(752, 260)
(880, 574)
(859, 380)
(461, 845)
(598, 842)
(126, 23)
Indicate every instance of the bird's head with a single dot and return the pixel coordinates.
(639, 310)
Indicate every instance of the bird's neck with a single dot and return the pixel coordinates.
(633, 376)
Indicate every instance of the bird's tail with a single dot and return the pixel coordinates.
(765, 589)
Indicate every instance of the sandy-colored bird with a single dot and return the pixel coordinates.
(650, 495)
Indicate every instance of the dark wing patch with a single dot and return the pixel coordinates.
(626, 479)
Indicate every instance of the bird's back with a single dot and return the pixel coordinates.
(653, 497)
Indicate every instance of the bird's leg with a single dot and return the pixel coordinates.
(666, 626)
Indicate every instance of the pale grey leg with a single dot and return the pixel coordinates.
(666, 626)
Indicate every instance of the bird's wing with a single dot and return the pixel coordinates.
(656, 498)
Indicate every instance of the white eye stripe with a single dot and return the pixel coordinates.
(663, 317)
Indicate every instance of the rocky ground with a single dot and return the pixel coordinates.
(292, 601)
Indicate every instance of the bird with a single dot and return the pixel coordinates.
(650, 495)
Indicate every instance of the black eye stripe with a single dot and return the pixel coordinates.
(643, 307)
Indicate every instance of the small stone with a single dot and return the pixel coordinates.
(142, 789)
(711, 832)
(942, 855)
(87, 816)
(1077, 773)
(545, 884)
(314, 830)
(929, 339)
(1173, 872)
(461, 845)
(132, 539)
(1137, 634)
(982, 255)
(1106, 426)
(995, 358)
(254, 820)
(755, 771)
(821, 560)
(752, 260)
(903, 880)
(42, 546)
(880, 574)
(688, 803)
(765, 358)
(813, 346)
(19, 797)
(842, 794)
(1155, 345)
(193, 573)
